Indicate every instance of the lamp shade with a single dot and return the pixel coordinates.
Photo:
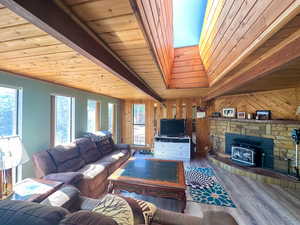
(12, 152)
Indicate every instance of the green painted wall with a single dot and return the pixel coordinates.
(36, 111)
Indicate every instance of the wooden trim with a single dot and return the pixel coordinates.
(282, 20)
(52, 19)
(52, 120)
(274, 59)
(256, 121)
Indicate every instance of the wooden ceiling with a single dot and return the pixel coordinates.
(233, 29)
(29, 51)
(118, 24)
(274, 65)
(235, 34)
(188, 70)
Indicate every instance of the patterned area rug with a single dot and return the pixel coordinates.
(205, 188)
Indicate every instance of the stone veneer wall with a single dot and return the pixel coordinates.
(279, 131)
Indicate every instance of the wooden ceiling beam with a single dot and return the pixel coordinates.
(55, 21)
(274, 59)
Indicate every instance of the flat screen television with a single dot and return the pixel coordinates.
(172, 127)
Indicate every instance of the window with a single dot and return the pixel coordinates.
(92, 116)
(10, 122)
(64, 119)
(139, 124)
(111, 118)
(9, 118)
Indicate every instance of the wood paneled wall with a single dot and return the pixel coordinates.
(236, 27)
(283, 103)
(182, 108)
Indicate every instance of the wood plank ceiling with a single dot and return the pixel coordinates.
(274, 65)
(235, 29)
(188, 70)
(117, 24)
(27, 50)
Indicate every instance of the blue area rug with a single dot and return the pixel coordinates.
(205, 188)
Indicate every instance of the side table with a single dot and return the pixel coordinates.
(33, 189)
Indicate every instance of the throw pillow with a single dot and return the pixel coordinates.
(103, 141)
(105, 146)
(126, 211)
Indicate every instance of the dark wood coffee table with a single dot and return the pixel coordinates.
(154, 177)
(34, 190)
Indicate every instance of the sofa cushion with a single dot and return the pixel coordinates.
(43, 164)
(87, 218)
(66, 197)
(66, 158)
(114, 160)
(113, 156)
(65, 177)
(88, 150)
(91, 171)
(29, 213)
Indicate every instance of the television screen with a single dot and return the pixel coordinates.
(172, 127)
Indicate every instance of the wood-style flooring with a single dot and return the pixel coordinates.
(257, 203)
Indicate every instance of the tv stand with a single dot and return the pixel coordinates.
(172, 148)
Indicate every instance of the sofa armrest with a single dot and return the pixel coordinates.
(66, 197)
(66, 177)
(172, 218)
(121, 146)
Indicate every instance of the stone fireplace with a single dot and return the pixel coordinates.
(269, 138)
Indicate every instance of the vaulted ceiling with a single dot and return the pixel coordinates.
(124, 48)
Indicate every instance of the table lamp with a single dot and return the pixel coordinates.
(12, 155)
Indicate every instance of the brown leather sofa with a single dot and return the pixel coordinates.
(86, 163)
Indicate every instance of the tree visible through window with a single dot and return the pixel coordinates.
(111, 118)
(139, 124)
(92, 113)
(8, 111)
(63, 119)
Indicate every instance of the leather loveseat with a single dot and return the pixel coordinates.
(85, 163)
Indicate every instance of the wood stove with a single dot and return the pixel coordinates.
(250, 150)
(244, 155)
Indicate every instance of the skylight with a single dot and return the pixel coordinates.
(188, 16)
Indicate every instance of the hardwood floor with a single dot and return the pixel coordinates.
(257, 203)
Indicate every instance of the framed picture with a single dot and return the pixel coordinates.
(229, 112)
(201, 112)
(241, 115)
